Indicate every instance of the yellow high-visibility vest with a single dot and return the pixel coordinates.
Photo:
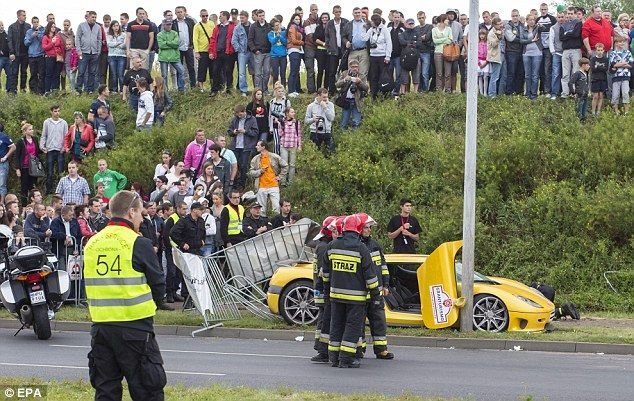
(115, 291)
(235, 220)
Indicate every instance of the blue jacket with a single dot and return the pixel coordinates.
(35, 228)
(59, 233)
(277, 50)
(239, 39)
(34, 45)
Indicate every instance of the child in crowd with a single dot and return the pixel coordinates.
(278, 104)
(599, 67)
(291, 141)
(621, 64)
(483, 64)
(71, 63)
(162, 101)
(578, 86)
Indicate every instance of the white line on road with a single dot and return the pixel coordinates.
(201, 352)
(36, 365)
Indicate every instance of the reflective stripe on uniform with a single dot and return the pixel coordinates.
(324, 338)
(121, 302)
(235, 220)
(373, 282)
(116, 281)
(351, 350)
(344, 252)
(347, 292)
(357, 298)
(385, 271)
(379, 342)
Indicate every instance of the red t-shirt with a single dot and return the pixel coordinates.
(597, 32)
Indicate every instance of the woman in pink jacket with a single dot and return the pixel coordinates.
(53, 45)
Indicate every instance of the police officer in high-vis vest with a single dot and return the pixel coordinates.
(124, 283)
(231, 219)
(349, 272)
(375, 311)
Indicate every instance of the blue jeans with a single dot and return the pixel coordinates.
(582, 107)
(351, 112)
(53, 158)
(493, 81)
(4, 177)
(117, 67)
(243, 61)
(555, 89)
(531, 74)
(502, 82)
(53, 69)
(5, 64)
(425, 64)
(180, 74)
(244, 158)
(262, 70)
(88, 67)
(395, 65)
(513, 61)
(208, 249)
(133, 102)
(293, 77)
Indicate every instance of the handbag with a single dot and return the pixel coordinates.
(451, 52)
(36, 169)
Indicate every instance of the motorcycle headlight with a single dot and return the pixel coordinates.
(529, 301)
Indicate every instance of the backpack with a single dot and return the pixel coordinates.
(386, 81)
(409, 58)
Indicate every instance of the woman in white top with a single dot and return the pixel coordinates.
(380, 52)
(174, 176)
(166, 166)
(210, 231)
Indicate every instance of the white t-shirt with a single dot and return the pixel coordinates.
(146, 105)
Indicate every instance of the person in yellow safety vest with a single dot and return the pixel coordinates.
(348, 274)
(375, 312)
(231, 219)
(174, 276)
(323, 305)
(124, 283)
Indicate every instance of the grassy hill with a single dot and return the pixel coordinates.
(555, 200)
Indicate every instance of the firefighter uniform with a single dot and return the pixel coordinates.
(322, 331)
(375, 310)
(124, 282)
(348, 275)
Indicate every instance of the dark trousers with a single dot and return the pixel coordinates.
(295, 60)
(322, 68)
(37, 67)
(170, 278)
(205, 66)
(118, 352)
(378, 327)
(244, 158)
(323, 138)
(513, 79)
(546, 72)
(322, 332)
(346, 328)
(102, 73)
(54, 158)
(26, 183)
(223, 72)
(309, 63)
(278, 70)
(582, 107)
(188, 57)
(18, 67)
(462, 67)
(53, 72)
(377, 66)
(333, 66)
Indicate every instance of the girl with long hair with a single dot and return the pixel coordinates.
(116, 56)
(259, 109)
(162, 101)
(26, 148)
(53, 45)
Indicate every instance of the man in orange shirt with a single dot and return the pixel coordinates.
(268, 169)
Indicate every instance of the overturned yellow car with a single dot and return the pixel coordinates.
(424, 291)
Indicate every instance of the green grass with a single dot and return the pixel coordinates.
(71, 390)
(574, 332)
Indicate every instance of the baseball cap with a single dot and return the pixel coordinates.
(410, 21)
(168, 21)
(234, 11)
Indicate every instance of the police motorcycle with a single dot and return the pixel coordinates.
(32, 289)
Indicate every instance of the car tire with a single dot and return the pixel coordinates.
(489, 314)
(297, 305)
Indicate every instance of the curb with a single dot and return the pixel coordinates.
(408, 341)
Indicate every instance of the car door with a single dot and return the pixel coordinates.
(437, 286)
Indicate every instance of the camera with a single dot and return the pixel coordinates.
(373, 45)
(321, 124)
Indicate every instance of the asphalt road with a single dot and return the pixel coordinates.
(473, 374)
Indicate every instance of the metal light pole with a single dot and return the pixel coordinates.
(468, 219)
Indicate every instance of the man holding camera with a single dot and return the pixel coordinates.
(319, 115)
(353, 87)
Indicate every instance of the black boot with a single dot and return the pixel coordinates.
(570, 310)
(169, 298)
(164, 306)
(385, 355)
(177, 298)
(349, 363)
(334, 358)
(320, 358)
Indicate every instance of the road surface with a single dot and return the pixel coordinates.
(474, 374)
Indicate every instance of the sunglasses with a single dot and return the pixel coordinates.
(204, 16)
(136, 196)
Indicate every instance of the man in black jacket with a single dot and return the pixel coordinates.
(255, 224)
(396, 27)
(5, 63)
(18, 53)
(570, 36)
(222, 168)
(259, 45)
(173, 276)
(334, 46)
(184, 25)
(189, 232)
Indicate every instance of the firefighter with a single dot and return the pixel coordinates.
(323, 238)
(124, 283)
(348, 275)
(375, 312)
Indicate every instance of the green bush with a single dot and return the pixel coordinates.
(555, 197)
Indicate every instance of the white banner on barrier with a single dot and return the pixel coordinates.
(194, 274)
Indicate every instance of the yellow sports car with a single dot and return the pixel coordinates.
(424, 291)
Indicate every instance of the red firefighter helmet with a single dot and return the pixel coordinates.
(326, 230)
(352, 223)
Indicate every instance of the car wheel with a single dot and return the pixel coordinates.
(297, 305)
(489, 313)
